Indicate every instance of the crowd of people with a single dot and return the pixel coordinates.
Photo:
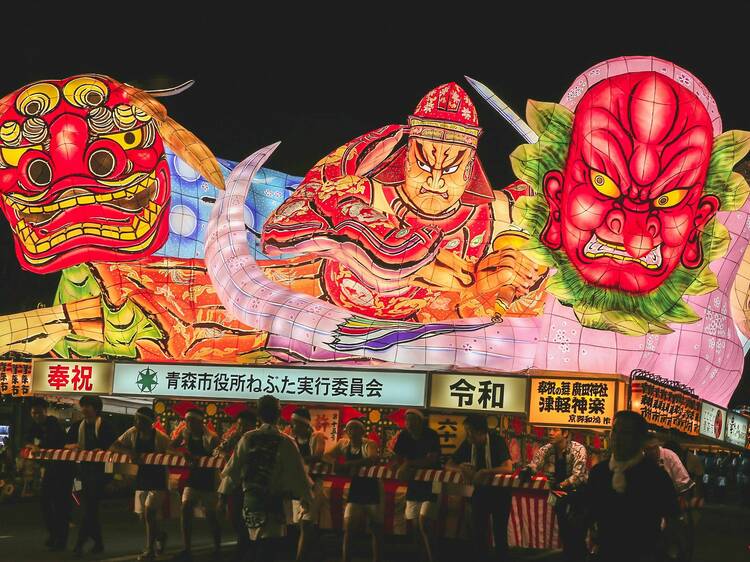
(620, 509)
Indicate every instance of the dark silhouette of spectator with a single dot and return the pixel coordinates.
(629, 496)
(92, 433)
(481, 456)
(46, 432)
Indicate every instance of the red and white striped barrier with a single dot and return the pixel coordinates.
(381, 472)
(74, 455)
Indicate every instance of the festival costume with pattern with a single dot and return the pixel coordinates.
(379, 246)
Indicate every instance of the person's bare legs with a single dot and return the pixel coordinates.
(351, 523)
(152, 526)
(213, 524)
(307, 535)
(376, 530)
(427, 532)
(346, 541)
(186, 524)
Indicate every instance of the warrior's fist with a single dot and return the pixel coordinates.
(506, 274)
(447, 272)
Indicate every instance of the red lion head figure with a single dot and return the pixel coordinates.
(83, 174)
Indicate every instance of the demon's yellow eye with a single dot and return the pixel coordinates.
(670, 198)
(604, 184)
(127, 140)
(11, 156)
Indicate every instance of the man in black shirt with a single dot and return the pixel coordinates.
(47, 433)
(418, 446)
(629, 495)
(91, 433)
(197, 440)
(480, 457)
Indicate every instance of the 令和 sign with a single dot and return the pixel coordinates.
(478, 393)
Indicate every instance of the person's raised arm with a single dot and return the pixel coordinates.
(460, 461)
(124, 443)
(231, 475)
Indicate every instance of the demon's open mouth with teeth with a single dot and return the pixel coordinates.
(598, 248)
(83, 174)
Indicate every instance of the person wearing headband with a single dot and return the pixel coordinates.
(268, 467)
(245, 421)
(196, 440)
(364, 503)
(93, 432)
(418, 446)
(150, 480)
(312, 446)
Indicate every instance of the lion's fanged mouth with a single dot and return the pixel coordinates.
(130, 199)
(598, 248)
(135, 200)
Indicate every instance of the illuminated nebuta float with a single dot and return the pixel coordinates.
(633, 205)
(616, 248)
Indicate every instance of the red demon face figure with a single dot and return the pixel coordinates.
(83, 175)
(629, 206)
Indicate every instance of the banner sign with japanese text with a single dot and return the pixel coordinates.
(20, 379)
(6, 372)
(713, 421)
(75, 377)
(572, 401)
(292, 384)
(478, 393)
(736, 432)
(326, 420)
(450, 429)
(665, 403)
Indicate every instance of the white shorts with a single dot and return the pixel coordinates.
(312, 512)
(205, 498)
(426, 509)
(149, 500)
(372, 511)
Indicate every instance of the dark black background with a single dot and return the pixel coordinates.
(315, 77)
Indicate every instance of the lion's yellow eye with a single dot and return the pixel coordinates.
(604, 184)
(670, 199)
(127, 140)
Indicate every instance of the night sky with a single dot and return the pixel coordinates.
(315, 82)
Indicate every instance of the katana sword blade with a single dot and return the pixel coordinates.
(504, 110)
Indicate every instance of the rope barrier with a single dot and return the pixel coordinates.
(380, 472)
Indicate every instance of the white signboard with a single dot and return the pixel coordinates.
(713, 421)
(736, 432)
(289, 384)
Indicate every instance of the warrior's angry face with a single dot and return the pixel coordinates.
(629, 206)
(83, 174)
(436, 174)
